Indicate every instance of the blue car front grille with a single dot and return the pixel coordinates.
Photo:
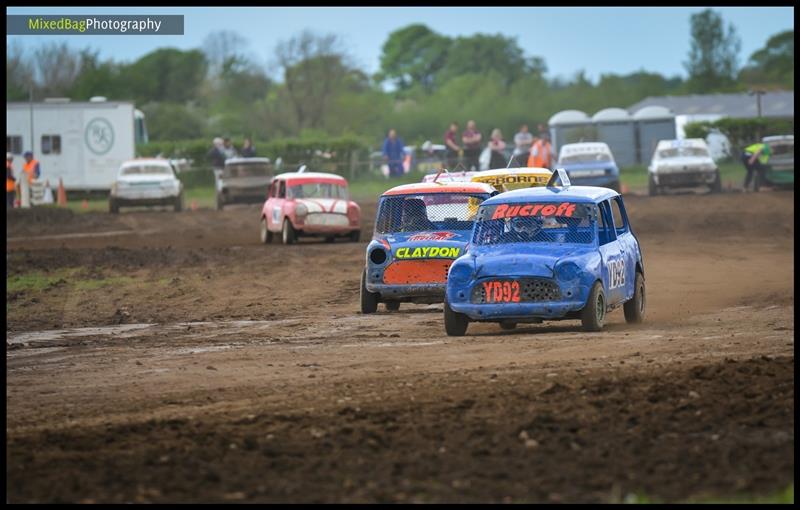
(531, 290)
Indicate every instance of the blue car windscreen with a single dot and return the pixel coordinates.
(427, 212)
(535, 223)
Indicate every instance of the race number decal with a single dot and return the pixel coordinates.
(501, 292)
(276, 214)
(616, 274)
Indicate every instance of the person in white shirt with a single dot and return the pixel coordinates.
(522, 142)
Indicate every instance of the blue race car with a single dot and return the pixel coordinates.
(419, 230)
(589, 164)
(547, 253)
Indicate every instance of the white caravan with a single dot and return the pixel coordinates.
(83, 143)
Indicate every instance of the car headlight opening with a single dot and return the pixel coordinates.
(378, 256)
(567, 271)
(301, 210)
(460, 273)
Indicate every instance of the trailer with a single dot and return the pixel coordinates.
(82, 143)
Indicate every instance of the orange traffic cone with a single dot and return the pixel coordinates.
(624, 188)
(62, 194)
(85, 204)
(194, 205)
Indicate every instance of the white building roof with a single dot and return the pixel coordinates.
(611, 115)
(779, 103)
(653, 112)
(569, 117)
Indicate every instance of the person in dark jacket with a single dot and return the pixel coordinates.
(216, 155)
(393, 153)
(248, 150)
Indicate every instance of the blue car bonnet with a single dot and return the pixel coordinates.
(507, 260)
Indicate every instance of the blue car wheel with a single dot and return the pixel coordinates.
(369, 300)
(594, 313)
(634, 308)
(455, 324)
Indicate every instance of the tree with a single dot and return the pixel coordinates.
(166, 74)
(221, 47)
(242, 84)
(169, 121)
(414, 55)
(481, 54)
(57, 67)
(96, 78)
(713, 56)
(19, 73)
(314, 68)
(773, 65)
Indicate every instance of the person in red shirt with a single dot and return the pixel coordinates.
(453, 149)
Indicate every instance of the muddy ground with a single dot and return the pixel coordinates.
(160, 356)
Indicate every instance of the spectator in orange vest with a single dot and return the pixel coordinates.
(11, 182)
(31, 167)
(541, 152)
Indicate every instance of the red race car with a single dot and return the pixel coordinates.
(309, 204)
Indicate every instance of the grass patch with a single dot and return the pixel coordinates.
(37, 281)
(203, 196)
(371, 188)
(781, 497)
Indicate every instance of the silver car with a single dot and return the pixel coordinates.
(243, 181)
(146, 182)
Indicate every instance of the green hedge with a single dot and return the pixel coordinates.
(201, 177)
(741, 132)
(346, 155)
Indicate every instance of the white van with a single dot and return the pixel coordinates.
(82, 143)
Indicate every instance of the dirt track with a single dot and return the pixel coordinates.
(220, 369)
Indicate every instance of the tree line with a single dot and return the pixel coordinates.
(222, 89)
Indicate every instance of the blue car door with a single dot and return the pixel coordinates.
(628, 244)
(613, 256)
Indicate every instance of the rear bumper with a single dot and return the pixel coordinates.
(170, 200)
(685, 179)
(433, 291)
(779, 177)
(600, 180)
(244, 196)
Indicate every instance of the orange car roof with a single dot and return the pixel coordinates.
(431, 187)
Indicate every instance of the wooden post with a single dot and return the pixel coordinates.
(25, 191)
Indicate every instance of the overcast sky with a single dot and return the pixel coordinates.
(596, 39)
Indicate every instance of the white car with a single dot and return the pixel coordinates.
(146, 181)
(589, 164)
(683, 163)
